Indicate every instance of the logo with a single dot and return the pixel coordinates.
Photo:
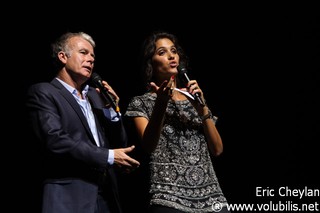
(216, 206)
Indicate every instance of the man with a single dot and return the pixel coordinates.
(82, 138)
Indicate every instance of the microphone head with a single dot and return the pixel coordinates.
(96, 80)
(182, 73)
(95, 77)
(182, 68)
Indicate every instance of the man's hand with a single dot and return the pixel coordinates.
(124, 161)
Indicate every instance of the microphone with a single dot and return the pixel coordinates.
(183, 74)
(97, 81)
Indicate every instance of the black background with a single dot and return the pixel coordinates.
(258, 68)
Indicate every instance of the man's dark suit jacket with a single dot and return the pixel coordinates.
(74, 166)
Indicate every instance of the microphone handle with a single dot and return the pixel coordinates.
(199, 99)
(108, 97)
(196, 95)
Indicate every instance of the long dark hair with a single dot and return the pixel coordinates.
(149, 48)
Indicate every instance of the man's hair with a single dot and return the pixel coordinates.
(62, 44)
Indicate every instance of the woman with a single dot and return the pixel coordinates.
(177, 131)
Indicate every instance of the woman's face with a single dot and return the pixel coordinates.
(165, 59)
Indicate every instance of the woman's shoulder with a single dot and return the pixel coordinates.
(145, 100)
(145, 97)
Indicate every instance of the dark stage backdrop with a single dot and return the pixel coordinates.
(259, 72)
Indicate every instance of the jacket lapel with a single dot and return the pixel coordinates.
(73, 103)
